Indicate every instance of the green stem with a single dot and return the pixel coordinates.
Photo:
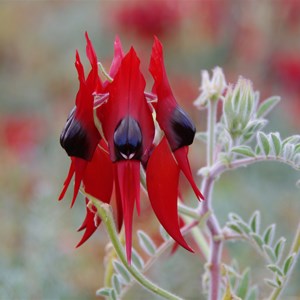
(105, 214)
(212, 115)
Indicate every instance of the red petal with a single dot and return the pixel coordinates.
(80, 166)
(90, 52)
(127, 99)
(89, 225)
(162, 182)
(93, 81)
(127, 174)
(98, 176)
(118, 56)
(118, 200)
(158, 71)
(182, 160)
(175, 246)
(67, 181)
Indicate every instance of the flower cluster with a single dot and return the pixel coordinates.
(109, 135)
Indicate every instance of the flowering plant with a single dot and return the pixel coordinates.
(121, 138)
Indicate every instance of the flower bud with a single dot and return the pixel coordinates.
(211, 88)
(239, 106)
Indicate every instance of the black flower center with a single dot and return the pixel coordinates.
(183, 129)
(74, 138)
(128, 139)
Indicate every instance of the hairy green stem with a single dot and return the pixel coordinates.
(105, 214)
(212, 221)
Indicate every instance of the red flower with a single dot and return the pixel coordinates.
(80, 136)
(112, 160)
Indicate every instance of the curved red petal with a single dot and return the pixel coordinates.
(162, 183)
(79, 165)
(67, 181)
(184, 165)
(98, 176)
(90, 52)
(127, 99)
(89, 225)
(127, 173)
(118, 56)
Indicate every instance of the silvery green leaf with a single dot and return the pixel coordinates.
(243, 285)
(297, 148)
(234, 217)
(272, 283)
(275, 137)
(242, 225)
(270, 253)
(137, 260)
(122, 271)
(112, 295)
(263, 143)
(296, 159)
(294, 139)
(266, 106)
(146, 243)
(288, 151)
(252, 127)
(201, 136)
(257, 239)
(278, 280)
(243, 150)
(234, 227)
(255, 221)
(288, 263)
(269, 234)
(278, 249)
(116, 284)
(103, 292)
(257, 150)
(253, 294)
(275, 269)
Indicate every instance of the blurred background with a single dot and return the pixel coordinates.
(38, 83)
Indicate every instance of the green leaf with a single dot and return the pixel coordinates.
(276, 143)
(122, 271)
(257, 239)
(255, 221)
(269, 234)
(288, 263)
(275, 269)
(234, 227)
(288, 151)
(272, 283)
(137, 260)
(243, 226)
(253, 293)
(263, 143)
(112, 295)
(146, 243)
(278, 280)
(103, 292)
(278, 249)
(293, 139)
(266, 106)
(244, 285)
(244, 150)
(116, 284)
(270, 253)
(234, 217)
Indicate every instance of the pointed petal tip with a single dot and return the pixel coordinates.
(184, 165)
